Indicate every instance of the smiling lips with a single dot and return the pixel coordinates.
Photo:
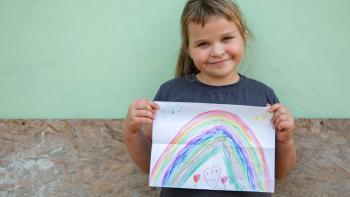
(220, 62)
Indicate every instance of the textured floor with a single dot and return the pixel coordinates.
(88, 158)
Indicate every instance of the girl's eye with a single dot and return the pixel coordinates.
(202, 44)
(228, 38)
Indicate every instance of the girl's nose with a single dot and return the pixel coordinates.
(218, 51)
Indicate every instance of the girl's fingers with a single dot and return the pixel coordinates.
(145, 104)
(284, 136)
(278, 107)
(282, 121)
(140, 112)
(154, 105)
(141, 104)
(281, 118)
(279, 112)
(275, 116)
(144, 113)
(284, 131)
(143, 120)
(134, 124)
(285, 126)
(141, 109)
(274, 107)
(140, 117)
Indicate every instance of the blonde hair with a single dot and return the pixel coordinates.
(198, 11)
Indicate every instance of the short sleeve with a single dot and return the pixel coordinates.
(159, 95)
(272, 97)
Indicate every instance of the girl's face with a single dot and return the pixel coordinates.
(216, 50)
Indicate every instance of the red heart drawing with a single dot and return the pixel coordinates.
(196, 178)
(224, 179)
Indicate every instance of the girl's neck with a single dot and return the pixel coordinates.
(218, 81)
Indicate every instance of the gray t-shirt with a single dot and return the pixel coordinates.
(188, 89)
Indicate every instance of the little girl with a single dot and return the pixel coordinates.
(214, 36)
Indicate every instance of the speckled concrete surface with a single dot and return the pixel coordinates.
(88, 158)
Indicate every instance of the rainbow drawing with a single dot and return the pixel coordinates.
(205, 136)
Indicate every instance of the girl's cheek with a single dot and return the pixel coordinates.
(236, 47)
(203, 55)
(200, 56)
(237, 51)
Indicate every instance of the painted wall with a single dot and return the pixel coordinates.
(90, 59)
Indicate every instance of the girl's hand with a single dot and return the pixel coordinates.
(140, 112)
(282, 121)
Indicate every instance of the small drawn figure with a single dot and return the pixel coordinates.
(265, 115)
(257, 117)
(170, 112)
(224, 180)
(212, 176)
(196, 178)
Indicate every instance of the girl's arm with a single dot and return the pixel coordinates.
(283, 123)
(285, 158)
(137, 131)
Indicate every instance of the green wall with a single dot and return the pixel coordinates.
(90, 59)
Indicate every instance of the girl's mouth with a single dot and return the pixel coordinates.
(218, 62)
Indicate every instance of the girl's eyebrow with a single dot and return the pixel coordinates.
(229, 33)
(199, 41)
